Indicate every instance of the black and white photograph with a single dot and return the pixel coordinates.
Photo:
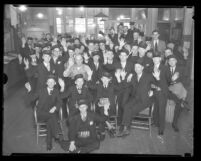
(98, 80)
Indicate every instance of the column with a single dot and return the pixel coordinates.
(151, 20)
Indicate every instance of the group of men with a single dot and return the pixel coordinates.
(89, 78)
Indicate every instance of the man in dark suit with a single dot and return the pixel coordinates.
(159, 72)
(27, 47)
(113, 36)
(75, 93)
(82, 131)
(140, 99)
(48, 106)
(175, 75)
(157, 44)
(124, 73)
(131, 31)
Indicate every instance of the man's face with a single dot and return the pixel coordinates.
(83, 108)
(77, 42)
(71, 53)
(51, 83)
(112, 31)
(79, 82)
(96, 58)
(110, 55)
(48, 36)
(96, 47)
(156, 60)
(135, 35)
(155, 35)
(168, 52)
(46, 58)
(123, 56)
(141, 52)
(29, 42)
(138, 68)
(170, 45)
(33, 58)
(149, 54)
(172, 62)
(91, 46)
(38, 49)
(102, 46)
(56, 52)
(77, 51)
(78, 59)
(125, 29)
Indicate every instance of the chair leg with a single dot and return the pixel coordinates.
(62, 130)
(37, 133)
(150, 127)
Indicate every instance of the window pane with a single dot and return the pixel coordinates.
(80, 25)
(164, 14)
(178, 14)
(59, 29)
(58, 21)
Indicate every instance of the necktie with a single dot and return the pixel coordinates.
(138, 78)
(48, 67)
(50, 92)
(172, 70)
(96, 66)
(156, 46)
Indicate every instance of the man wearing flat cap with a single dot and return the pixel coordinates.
(82, 130)
(140, 99)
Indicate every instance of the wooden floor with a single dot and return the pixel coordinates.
(19, 134)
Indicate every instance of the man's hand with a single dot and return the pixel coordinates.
(156, 74)
(52, 110)
(72, 146)
(117, 75)
(23, 41)
(28, 86)
(62, 84)
(123, 74)
(175, 76)
(150, 93)
(129, 77)
(109, 125)
(26, 62)
(19, 58)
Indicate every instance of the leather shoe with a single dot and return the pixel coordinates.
(49, 147)
(175, 128)
(125, 132)
(111, 133)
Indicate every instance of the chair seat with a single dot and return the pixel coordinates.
(142, 116)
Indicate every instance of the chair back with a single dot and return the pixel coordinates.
(35, 115)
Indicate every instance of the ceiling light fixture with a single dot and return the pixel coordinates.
(40, 15)
(22, 8)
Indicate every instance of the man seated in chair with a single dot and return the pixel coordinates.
(82, 130)
(140, 99)
(48, 106)
(105, 99)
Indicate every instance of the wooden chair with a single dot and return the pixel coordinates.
(144, 119)
(41, 127)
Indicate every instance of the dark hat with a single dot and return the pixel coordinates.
(140, 61)
(106, 74)
(124, 50)
(100, 32)
(46, 45)
(132, 23)
(148, 38)
(37, 45)
(77, 46)
(47, 52)
(29, 38)
(71, 48)
(171, 56)
(51, 76)
(141, 34)
(78, 76)
(55, 46)
(142, 45)
(157, 54)
(82, 102)
(96, 53)
(121, 23)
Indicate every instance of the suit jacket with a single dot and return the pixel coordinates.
(42, 74)
(96, 72)
(114, 39)
(161, 46)
(46, 101)
(74, 96)
(129, 68)
(26, 51)
(140, 89)
(163, 82)
(178, 69)
(58, 67)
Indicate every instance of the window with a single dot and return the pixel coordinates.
(91, 25)
(60, 26)
(80, 25)
(101, 24)
(164, 14)
(69, 25)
